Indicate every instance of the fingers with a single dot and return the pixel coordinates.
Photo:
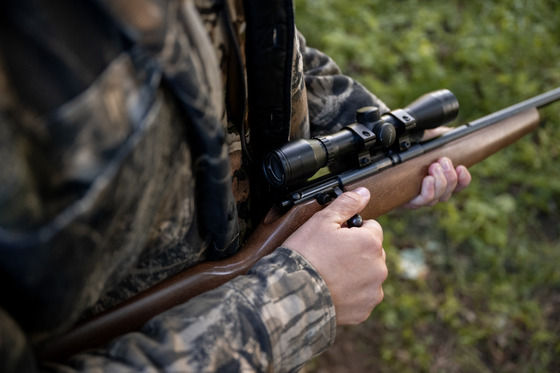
(426, 196)
(351, 261)
(464, 178)
(432, 133)
(365, 258)
(442, 181)
(445, 179)
(375, 230)
(450, 180)
(345, 206)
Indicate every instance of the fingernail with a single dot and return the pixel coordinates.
(446, 164)
(362, 191)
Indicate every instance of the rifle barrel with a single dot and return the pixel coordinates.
(538, 101)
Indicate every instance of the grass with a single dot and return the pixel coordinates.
(490, 298)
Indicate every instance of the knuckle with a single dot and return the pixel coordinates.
(363, 317)
(377, 241)
(324, 214)
(384, 273)
(452, 180)
(363, 314)
(441, 184)
(352, 197)
(371, 245)
(380, 296)
(428, 193)
(452, 176)
(376, 298)
(346, 204)
(374, 227)
(377, 247)
(348, 201)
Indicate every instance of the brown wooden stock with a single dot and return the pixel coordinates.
(389, 189)
(133, 313)
(398, 185)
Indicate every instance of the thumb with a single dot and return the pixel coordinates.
(347, 205)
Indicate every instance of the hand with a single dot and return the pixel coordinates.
(350, 260)
(442, 181)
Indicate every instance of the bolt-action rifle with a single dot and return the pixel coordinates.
(378, 152)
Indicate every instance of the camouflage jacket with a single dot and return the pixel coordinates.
(121, 128)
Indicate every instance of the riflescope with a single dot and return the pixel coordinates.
(359, 142)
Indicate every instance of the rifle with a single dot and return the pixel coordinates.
(389, 166)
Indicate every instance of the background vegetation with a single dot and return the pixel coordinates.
(488, 296)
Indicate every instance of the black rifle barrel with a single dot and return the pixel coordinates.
(534, 102)
(538, 101)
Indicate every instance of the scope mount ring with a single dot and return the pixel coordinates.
(404, 117)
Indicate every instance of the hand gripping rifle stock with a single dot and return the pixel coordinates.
(392, 183)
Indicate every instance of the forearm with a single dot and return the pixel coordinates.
(332, 97)
(279, 315)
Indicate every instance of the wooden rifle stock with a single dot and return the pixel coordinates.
(389, 189)
(398, 185)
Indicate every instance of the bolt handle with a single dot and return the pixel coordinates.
(355, 221)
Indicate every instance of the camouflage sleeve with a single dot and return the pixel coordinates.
(15, 351)
(332, 98)
(275, 318)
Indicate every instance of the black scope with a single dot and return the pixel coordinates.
(298, 160)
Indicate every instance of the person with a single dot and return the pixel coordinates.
(128, 156)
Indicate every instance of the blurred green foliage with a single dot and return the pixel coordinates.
(491, 299)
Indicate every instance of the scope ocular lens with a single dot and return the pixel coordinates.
(274, 170)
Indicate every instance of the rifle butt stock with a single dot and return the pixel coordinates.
(389, 189)
(131, 314)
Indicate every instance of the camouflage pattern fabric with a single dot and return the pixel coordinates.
(113, 162)
(272, 319)
(332, 98)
